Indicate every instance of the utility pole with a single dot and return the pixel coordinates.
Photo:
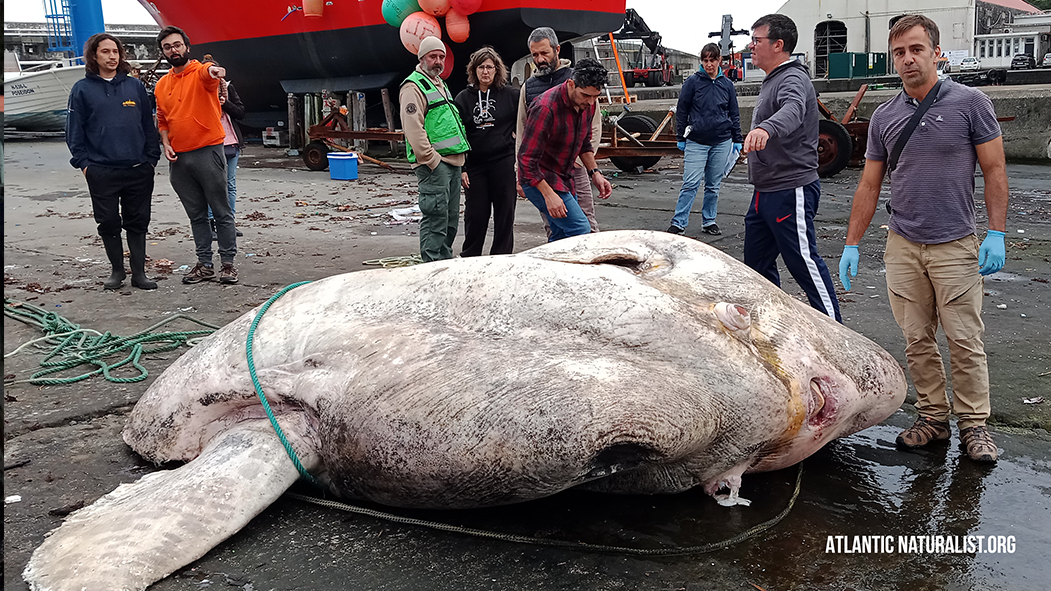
(726, 45)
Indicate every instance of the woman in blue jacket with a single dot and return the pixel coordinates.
(114, 142)
(708, 130)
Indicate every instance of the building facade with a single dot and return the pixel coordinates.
(838, 26)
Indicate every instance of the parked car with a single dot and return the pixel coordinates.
(1023, 61)
(970, 64)
(1047, 60)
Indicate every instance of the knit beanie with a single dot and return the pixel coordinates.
(428, 45)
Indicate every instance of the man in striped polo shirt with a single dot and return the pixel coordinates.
(934, 263)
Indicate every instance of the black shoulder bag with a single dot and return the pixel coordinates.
(906, 133)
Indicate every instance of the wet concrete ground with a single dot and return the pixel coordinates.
(859, 486)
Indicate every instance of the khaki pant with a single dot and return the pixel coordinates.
(930, 284)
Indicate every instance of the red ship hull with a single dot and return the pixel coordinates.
(269, 52)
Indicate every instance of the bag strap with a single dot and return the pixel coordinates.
(906, 133)
(892, 162)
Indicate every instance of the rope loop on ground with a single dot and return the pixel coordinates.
(67, 346)
(582, 546)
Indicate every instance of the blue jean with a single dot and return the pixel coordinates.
(574, 224)
(709, 163)
(231, 182)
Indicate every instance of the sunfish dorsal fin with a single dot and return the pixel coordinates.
(144, 531)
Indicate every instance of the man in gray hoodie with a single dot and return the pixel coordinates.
(782, 165)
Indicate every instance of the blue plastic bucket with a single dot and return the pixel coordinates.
(343, 166)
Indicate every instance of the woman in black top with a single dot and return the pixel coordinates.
(488, 108)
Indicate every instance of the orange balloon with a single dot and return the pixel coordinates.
(466, 7)
(416, 27)
(435, 7)
(457, 26)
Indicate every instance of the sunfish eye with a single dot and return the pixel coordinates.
(735, 318)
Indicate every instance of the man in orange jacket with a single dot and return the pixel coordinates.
(188, 116)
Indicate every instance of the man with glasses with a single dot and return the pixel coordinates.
(192, 134)
(782, 165)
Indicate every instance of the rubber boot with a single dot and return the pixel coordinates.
(137, 257)
(115, 253)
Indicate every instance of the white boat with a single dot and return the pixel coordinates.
(37, 100)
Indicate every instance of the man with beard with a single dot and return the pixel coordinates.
(551, 72)
(110, 133)
(436, 141)
(188, 115)
(556, 134)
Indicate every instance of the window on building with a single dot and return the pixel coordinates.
(981, 48)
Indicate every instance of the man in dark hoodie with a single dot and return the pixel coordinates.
(782, 165)
(111, 135)
(551, 71)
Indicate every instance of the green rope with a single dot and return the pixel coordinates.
(583, 546)
(68, 346)
(259, 389)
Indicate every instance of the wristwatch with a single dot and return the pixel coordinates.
(593, 171)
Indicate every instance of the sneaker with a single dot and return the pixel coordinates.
(228, 274)
(200, 272)
(238, 232)
(978, 443)
(712, 229)
(675, 230)
(924, 431)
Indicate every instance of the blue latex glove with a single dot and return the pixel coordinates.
(992, 254)
(738, 147)
(681, 146)
(848, 261)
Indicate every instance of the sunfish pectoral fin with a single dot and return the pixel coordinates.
(144, 531)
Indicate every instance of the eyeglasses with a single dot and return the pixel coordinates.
(755, 40)
(486, 67)
(177, 46)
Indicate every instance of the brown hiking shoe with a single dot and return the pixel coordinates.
(228, 274)
(922, 432)
(978, 443)
(200, 272)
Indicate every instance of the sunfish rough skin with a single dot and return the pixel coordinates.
(630, 362)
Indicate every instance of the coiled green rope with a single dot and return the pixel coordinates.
(68, 346)
(259, 389)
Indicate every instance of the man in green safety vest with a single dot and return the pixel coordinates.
(436, 141)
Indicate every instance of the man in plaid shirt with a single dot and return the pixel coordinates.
(557, 130)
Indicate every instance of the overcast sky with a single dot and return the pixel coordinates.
(684, 24)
